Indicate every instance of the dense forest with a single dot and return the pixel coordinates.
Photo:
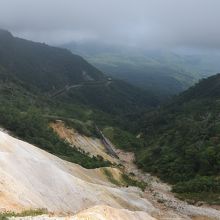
(24, 114)
(182, 140)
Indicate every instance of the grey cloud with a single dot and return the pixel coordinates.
(145, 23)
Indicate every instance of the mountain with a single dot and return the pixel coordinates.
(206, 89)
(183, 142)
(39, 84)
(35, 90)
(38, 185)
(66, 113)
(162, 72)
(49, 70)
(43, 66)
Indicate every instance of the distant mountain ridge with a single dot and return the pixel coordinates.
(31, 72)
(49, 69)
(43, 66)
(163, 72)
(206, 89)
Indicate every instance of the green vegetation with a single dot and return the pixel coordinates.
(199, 189)
(183, 140)
(125, 180)
(129, 181)
(86, 128)
(118, 98)
(111, 178)
(211, 198)
(33, 128)
(31, 212)
(46, 70)
(26, 106)
(199, 184)
(123, 139)
(180, 142)
(24, 113)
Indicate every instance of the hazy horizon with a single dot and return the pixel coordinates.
(148, 24)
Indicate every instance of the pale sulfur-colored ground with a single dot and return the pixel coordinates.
(90, 145)
(31, 178)
(98, 213)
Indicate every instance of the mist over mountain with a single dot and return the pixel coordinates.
(51, 69)
(109, 109)
(146, 24)
(164, 72)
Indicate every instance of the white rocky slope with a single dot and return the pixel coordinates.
(96, 213)
(31, 178)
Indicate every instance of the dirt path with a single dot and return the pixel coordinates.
(160, 195)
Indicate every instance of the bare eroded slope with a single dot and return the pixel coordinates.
(93, 146)
(32, 178)
(97, 213)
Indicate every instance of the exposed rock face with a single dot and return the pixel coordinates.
(93, 146)
(31, 178)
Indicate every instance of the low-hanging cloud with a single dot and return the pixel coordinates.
(145, 23)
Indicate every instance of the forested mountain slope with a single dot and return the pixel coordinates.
(182, 140)
(206, 89)
(30, 73)
(43, 66)
(49, 69)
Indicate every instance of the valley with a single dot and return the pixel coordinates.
(162, 71)
(76, 145)
(157, 192)
(35, 189)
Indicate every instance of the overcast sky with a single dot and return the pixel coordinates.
(144, 23)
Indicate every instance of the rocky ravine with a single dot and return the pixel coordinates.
(160, 195)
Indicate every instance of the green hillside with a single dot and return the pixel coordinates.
(206, 89)
(49, 69)
(179, 141)
(182, 141)
(42, 66)
(24, 114)
(30, 73)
